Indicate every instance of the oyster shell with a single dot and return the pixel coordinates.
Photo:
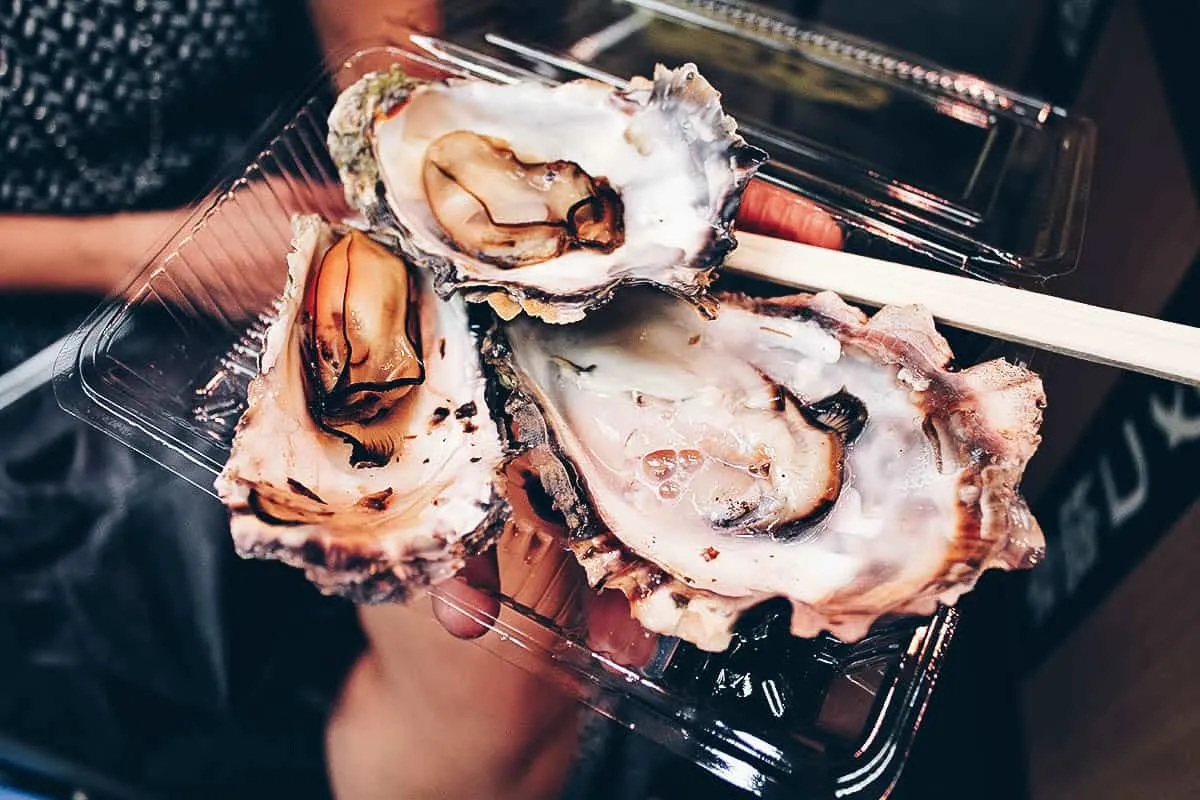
(547, 199)
(790, 447)
(367, 454)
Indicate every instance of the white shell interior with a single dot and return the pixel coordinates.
(442, 478)
(669, 180)
(897, 513)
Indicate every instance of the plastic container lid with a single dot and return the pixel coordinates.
(969, 174)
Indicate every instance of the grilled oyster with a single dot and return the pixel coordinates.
(367, 454)
(547, 199)
(791, 447)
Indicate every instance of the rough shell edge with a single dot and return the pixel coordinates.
(351, 140)
(364, 575)
(1006, 430)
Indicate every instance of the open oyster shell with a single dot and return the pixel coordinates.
(367, 454)
(791, 447)
(547, 199)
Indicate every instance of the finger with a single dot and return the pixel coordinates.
(613, 631)
(469, 591)
(773, 211)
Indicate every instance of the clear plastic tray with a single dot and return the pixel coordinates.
(971, 175)
(165, 366)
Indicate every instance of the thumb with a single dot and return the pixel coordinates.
(773, 211)
(466, 604)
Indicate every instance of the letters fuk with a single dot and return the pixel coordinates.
(1080, 518)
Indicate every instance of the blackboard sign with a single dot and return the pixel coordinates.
(1131, 478)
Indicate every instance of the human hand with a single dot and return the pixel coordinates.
(75, 254)
(424, 714)
(427, 715)
(774, 211)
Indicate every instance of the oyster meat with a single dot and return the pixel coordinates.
(367, 455)
(790, 447)
(547, 199)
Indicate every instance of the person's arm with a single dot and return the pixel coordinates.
(78, 254)
(341, 28)
(98, 253)
(425, 716)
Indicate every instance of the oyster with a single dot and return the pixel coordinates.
(547, 199)
(791, 447)
(367, 454)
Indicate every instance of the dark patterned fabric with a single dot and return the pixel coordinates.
(117, 105)
(132, 640)
(108, 104)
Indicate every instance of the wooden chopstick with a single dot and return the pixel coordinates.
(1101, 335)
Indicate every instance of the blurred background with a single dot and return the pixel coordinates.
(1072, 681)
